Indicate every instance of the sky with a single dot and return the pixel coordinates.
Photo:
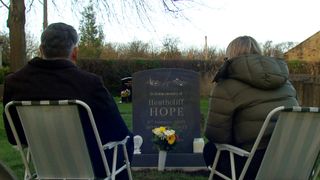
(220, 20)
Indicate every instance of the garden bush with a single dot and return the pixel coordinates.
(3, 72)
(112, 71)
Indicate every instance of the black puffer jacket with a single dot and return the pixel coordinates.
(247, 89)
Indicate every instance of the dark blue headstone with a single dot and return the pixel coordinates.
(167, 97)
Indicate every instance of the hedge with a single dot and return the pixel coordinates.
(112, 71)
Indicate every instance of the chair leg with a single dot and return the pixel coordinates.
(26, 171)
(114, 163)
(214, 165)
(245, 168)
(316, 173)
(127, 161)
(233, 171)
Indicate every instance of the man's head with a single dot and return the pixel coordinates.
(59, 40)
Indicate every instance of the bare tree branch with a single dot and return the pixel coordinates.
(109, 8)
(30, 5)
(175, 9)
(141, 5)
(55, 6)
(4, 4)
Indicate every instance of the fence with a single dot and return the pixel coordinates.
(308, 88)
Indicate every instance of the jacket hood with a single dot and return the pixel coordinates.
(258, 71)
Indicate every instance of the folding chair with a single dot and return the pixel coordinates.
(292, 150)
(56, 141)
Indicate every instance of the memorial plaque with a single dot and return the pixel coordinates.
(166, 97)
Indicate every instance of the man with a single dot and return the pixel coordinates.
(55, 76)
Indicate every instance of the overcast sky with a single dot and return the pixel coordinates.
(220, 20)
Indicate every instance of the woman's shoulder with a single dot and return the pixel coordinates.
(229, 87)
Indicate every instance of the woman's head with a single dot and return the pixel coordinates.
(241, 46)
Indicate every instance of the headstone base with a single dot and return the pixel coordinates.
(173, 160)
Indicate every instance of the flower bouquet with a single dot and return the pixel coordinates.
(125, 93)
(165, 139)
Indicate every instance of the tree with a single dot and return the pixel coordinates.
(32, 46)
(213, 53)
(193, 53)
(16, 25)
(285, 46)
(267, 49)
(138, 49)
(4, 40)
(16, 20)
(276, 50)
(109, 51)
(170, 48)
(91, 35)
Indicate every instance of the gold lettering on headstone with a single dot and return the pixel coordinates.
(166, 107)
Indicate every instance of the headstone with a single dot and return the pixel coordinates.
(166, 97)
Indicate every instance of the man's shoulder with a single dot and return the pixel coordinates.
(87, 74)
(38, 67)
(12, 75)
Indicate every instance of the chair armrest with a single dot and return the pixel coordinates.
(23, 146)
(234, 149)
(112, 144)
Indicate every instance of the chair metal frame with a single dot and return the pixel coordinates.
(233, 150)
(25, 155)
(6, 173)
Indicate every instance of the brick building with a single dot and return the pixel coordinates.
(308, 50)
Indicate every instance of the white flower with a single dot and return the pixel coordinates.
(156, 131)
(169, 132)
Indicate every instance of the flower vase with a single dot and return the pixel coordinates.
(162, 160)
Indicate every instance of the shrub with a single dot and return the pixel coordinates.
(3, 72)
(112, 71)
(304, 67)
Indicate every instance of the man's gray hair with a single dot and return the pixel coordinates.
(58, 40)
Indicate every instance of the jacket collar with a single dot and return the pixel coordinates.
(52, 63)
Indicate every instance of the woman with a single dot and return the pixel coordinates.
(248, 86)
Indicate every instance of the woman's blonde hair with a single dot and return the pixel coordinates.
(241, 46)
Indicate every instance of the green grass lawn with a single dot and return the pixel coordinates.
(12, 158)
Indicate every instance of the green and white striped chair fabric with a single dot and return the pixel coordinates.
(292, 151)
(56, 140)
(294, 145)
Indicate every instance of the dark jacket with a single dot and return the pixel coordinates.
(247, 89)
(61, 79)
